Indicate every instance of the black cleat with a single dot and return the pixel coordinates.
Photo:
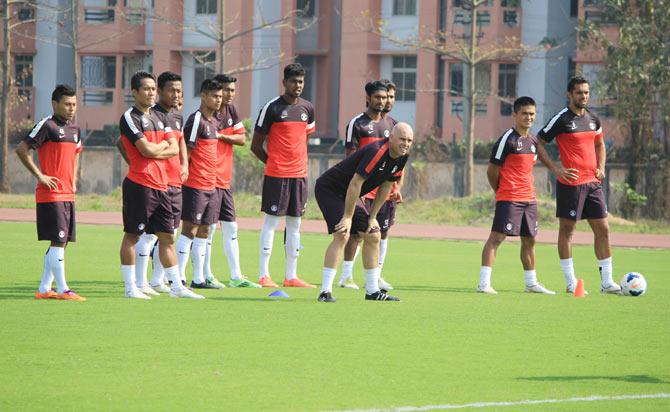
(381, 295)
(203, 285)
(326, 297)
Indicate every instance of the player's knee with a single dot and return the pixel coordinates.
(341, 238)
(372, 238)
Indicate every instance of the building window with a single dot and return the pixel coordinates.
(205, 7)
(23, 70)
(98, 72)
(462, 17)
(403, 74)
(510, 18)
(574, 8)
(483, 78)
(203, 68)
(457, 108)
(404, 7)
(572, 68)
(308, 63)
(483, 18)
(509, 3)
(26, 13)
(455, 79)
(597, 16)
(481, 109)
(132, 65)
(305, 8)
(507, 74)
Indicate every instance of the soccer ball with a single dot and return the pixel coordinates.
(633, 284)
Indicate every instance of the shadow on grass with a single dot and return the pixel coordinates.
(85, 288)
(435, 289)
(624, 378)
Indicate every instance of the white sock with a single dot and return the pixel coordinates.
(157, 272)
(128, 273)
(347, 270)
(270, 223)
(530, 277)
(172, 273)
(292, 246)
(606, 271)
(56, 256)
(183, 251)
(231, 248)
(371, 280)
(328, 278)
(208, 252)
(485, 276)
(382, 252)
(47, 276)
(198, 259)
(142, 256)
(568, 269)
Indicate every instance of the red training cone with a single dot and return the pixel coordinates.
(579, 289)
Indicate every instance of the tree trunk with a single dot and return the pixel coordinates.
(74, 19)
(470, 98)
(220, 49)
(4, 99)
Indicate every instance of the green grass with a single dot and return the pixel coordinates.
(472, 211)
(239, 350)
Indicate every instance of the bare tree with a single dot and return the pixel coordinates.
(471, 48)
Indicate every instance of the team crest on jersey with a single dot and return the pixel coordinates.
(387, 133)
(573, 213)
(273, 208)
(145, 122)
(141, 226)
(160, 125)
(61, 234)
(519, 145)
(572, 126)
(61, 133)
(532, 149)
(592, 125)
(198, 216)
(508, 226)
(303, 117)
(230, 122)
(284, 114)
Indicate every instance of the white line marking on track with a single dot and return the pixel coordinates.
(592, 398)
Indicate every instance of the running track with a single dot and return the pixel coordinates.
(440, 232)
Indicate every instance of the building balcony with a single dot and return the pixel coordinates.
(111, 29)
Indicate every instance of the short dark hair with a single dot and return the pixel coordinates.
(166, 77)
(224, 78)
(136, 80)
(372, 87)
(293, 70)
(62, 90)
(389, 84)
(523, 101)
(209, 85)
(575, 80)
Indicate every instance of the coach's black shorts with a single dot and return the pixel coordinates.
(56, 222)
(174, 192)
(227, 209)
(515, 218)
(332, 208)
(386, 215)
(586, 201)
(200, 207)
(146, 209)
(284, 196)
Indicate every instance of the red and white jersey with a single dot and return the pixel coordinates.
(175, 121)
(286, 127)
(229, 124)
(516, 155)
(136, 125)
(362, 130)
(200, 135)
(57, 143)
(575, 136)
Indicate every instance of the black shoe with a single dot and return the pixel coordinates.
(203, 285)
(326, 297)
(380, 295)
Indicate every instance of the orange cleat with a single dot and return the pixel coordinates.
(297, 283)
(70, 295)
(266, 282)
(47, 295)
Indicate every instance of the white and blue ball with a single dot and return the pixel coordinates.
(633, 284)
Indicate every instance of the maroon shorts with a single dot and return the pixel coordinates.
(174, 192)
(515, 218)
(146, 209)
(56, 222)
(227, 210)
(586, 201)
(332, 208)
(386, 215)
(284, 196)
(200, 207)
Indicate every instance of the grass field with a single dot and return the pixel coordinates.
(240, 350)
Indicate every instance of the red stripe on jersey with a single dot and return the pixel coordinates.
(287, 150)
(516, 182)
(143, 170)
(382, 150)
(577, 151)
(202, 165)
(57, 159)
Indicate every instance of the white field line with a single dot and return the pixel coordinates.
(592, 398)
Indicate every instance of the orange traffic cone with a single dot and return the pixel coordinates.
(579, 289)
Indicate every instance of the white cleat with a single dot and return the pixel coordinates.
(612, 288)
(571, 289)
(136, 294)
(147, 290)
(487, 289)
(348, 283)
(384, 284)
(185, 293)
(160, 288)
(538, 288)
